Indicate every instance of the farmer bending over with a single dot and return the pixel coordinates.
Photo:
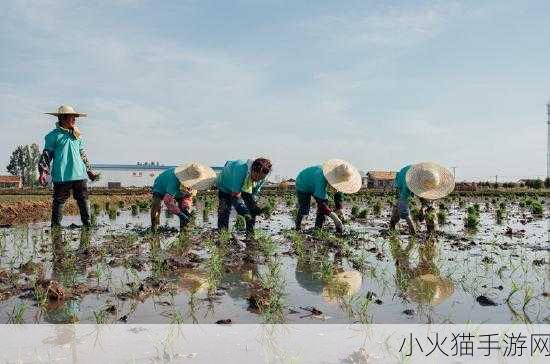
(429, 181)
(176, 187)
(314, 181)
(239, 184)
(65, 147)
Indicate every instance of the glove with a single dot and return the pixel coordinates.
(337, 223)
(92, 176)
(184, 217)
(42, 179)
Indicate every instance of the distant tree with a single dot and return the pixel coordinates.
(23, 162)
(547, 182)
(537, 184)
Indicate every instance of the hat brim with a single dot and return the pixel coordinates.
(77, 114)
(446, 181)
(430, 289)
(205, 182)
(350, 186)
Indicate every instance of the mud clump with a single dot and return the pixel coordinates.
(485, 301)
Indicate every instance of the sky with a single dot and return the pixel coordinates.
(379, 83)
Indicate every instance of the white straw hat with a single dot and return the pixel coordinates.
(430, 289)
(66, 110)
(430, 180)
(341, 175)
(196, 176)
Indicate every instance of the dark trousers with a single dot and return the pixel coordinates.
(244, 205)
(61, 192)
(304, 201)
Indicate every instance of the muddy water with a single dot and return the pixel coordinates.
(121, 274)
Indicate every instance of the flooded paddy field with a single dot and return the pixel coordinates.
(490, 263)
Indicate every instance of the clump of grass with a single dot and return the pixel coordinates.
(536, 208)
(500, 214)
(355, 210)
(272, 283)
(215, 265)
(240, 223)
(362, 214)
(135, 209)
(289, 200)
(442, 216)
(120, 204)
(112, 212)
(472, 218)
(17, 313)
(143, 205)
(377, 208)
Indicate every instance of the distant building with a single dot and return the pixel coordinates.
(114, 185)
(11, 182)
(379, 179)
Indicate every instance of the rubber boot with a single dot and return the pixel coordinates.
(298, 221)
(319, 220)
(57, 213)
(84, 208)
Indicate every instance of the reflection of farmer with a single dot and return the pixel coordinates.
(176, 188)
(65, 147)
(423, 283)
(429, 181)
(314, 182)
(239, 184)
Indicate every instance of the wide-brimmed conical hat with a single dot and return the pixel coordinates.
(430, 289)
(343, 284)
(430, 180)
(342, 175)
(66, 110)
(196, 176)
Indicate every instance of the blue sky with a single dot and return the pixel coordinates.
(379, 83)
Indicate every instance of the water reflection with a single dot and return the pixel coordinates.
(422, 283)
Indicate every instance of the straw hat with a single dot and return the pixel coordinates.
(344, 284)
(430, 289)
(430, 180)
(342, 175)
(66, 110)
(196, 176)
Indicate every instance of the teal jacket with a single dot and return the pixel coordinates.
(68, 164)
(400, 183)
(233, 175)
(312, 180)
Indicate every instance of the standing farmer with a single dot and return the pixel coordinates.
(176, 188)
(429, 181)
(239, 184)
(65, 147)
(314, 182)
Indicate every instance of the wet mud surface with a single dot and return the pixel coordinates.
(118, 272)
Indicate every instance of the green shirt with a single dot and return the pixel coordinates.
(233, 176)
(312, 180)
(67, 161)
(400, 183)
(167, 182)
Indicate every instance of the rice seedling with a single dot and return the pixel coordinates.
(40, 295)
(135, 209)
(100, 316)
(112, 212)
(214, 266)
(362, 214)
(377, 208)
(442, 216)
(297, 240)
(240, 223)
(272, 305)
(500, 214)
(120, 204)
(537, 208)
(354, 210)
(143, 205)
(472, 218)
(266, 245)
(17, 313)
(289, 200)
